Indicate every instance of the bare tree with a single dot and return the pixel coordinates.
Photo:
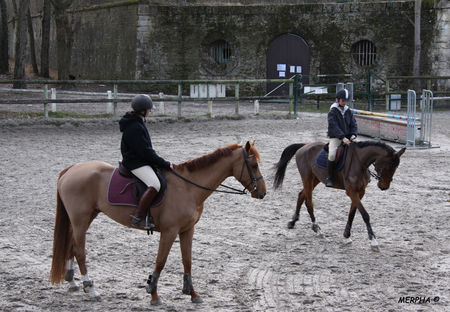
(21, 44)
(32, 48)
(45, 46)
(417, 46)
(4, 56)
(64, 37)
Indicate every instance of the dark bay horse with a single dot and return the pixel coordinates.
(82, 194)
(353, 178)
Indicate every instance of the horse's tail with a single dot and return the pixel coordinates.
(62, 239)
(280, 167)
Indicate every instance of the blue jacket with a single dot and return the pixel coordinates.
(136, 145)
(341, 125)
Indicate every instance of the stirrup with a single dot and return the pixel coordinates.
(329, 183)
(141, 223)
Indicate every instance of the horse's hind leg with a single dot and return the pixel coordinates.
(79, 237)
(295, 217)
(69, 275)
(310, 206)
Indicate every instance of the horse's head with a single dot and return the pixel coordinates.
(247, 171)
(385, 168)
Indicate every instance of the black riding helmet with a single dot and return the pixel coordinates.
(342, 94)
(141, 102)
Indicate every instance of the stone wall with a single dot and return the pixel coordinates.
(178, 38)
(155, 39)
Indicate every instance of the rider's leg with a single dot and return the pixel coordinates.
(148, 176)
(331, 164)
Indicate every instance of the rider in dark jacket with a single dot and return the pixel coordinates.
(139, 156)
(342, 128)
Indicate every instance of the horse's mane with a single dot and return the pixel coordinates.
(211, 158)
(384, 146)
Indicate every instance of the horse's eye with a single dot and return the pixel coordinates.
(255, 166)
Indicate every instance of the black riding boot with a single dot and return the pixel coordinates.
(138, 217)
(330, 180)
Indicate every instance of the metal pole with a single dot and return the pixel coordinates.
(291, 97)
(411, 121)
(180, 99)
(45, 103)
(236, 95)
(296, 92)
(115, 101)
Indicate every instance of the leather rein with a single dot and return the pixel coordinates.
(233, 190)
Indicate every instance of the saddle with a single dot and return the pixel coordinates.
(125, 189)
(322, 159)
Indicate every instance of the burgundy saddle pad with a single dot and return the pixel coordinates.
(121, 191)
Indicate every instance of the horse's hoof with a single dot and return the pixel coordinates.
(348, 241)
(74, 288)
(374, 245)
(96, 299)
(197, 300)
(316, 228)
(291, 225)
(156, 302)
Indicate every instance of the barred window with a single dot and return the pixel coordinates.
(220, 51)
(364, 53)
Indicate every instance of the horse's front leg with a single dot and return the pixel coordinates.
(348, 227)
(295, 217)
(186, 254)
(356, 202)
(165, 244)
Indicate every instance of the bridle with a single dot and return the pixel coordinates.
(233, 190)
(253, 180)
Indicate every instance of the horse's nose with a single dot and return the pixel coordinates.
(261, 196)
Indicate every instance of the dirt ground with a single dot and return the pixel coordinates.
(244, 257)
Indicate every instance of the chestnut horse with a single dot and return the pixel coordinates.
(82, 194)
(353, 178)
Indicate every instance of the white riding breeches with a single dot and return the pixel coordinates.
(148, 176)
(332, 148)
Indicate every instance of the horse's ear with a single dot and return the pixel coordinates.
(400, 152)
(253, 143)
(247, 147)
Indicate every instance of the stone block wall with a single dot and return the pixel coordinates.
(178, 37)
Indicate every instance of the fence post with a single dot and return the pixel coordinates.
(53, 97)
(45, 101)
(256, 107)
(236, 95)
(210, 105)
(115, 101)
(180, 95)
(161, 104)
(109, 105)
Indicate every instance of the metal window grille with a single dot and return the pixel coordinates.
(220, 51)
(364, 53)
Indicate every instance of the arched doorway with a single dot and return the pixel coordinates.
(287, 55)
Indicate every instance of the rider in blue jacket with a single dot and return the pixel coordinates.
(342, 128)
(138, 154)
